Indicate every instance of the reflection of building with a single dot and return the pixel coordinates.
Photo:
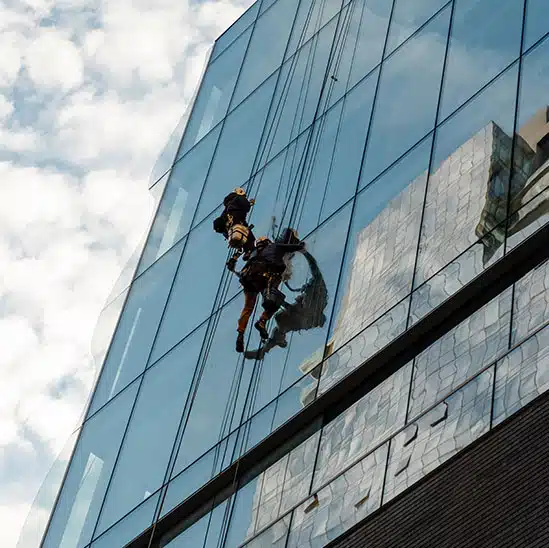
(471, 184)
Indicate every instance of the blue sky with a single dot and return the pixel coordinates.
(89, 93)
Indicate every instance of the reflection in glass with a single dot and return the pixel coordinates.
(531, 303)
(300, 89)
(439, 434)
(266, 48)
(275, 536)
(453, 277)
(364, 45)
(485, 39)
(223, 373)
(537, 22)
(408, 17)
(529, 199)
(461, 353)
(215, 93)
(341, 504)
(176, 210)
(84, 486)
(195, 286)
(204, 533)
(379, 262)
(236, 150)
(136, 329)
(332, 171)
(273, 492)
(408, 94)
(199, 473)
(313, 281)
(364, 345)
(241, 24)
(130, 527)
(363, 426)
(311, 16)
(467, 192)
(141, 465)
(522, 375)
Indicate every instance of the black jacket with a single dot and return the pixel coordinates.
(237, 206)
(271, 257)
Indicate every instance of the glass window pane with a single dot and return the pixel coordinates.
(136, 330)
(537, 22)
(130, 527)
(364, 45)
(408, 17)
(441, 433)
(461, 353)
(298, 92)
(408, 94)
(195, 535)
(88, 474)
(312, 15)
(332, 177)
(363, 426)
(456, 275)
(380, 254)
(141, 466)
(196, 284)
(275, 536)
(223, 375)
(199, 473)
(104, 329)
(346, 501)
(364, 345)
(273, 492)
(531, 174)
(522, 375)
(215, 93)
(176, 211)
(237, 149)
(266, 48)
(485, 39)
(468, 186)
(242, 23)
(304, 325)
(531, 303)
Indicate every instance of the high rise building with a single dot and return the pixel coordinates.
(407, 144)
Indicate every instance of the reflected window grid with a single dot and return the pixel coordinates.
(442, 432)
(461, 353)
(522, 375)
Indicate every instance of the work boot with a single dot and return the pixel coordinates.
(260, 326)
(240, 343)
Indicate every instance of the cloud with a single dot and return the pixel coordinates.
(54, 61)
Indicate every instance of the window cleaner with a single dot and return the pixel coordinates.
(263, 273)
(233, 225)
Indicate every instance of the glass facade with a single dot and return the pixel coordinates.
(408, 143)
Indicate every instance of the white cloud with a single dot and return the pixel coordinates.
(89, 94)
(54, 61)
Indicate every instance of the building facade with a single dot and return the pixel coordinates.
(407, 143)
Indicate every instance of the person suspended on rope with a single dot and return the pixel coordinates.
(232, 223)
(263, 273)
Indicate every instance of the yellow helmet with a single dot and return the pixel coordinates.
(239, 191)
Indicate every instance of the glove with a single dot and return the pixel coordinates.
(252, 201)
(231, 263)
